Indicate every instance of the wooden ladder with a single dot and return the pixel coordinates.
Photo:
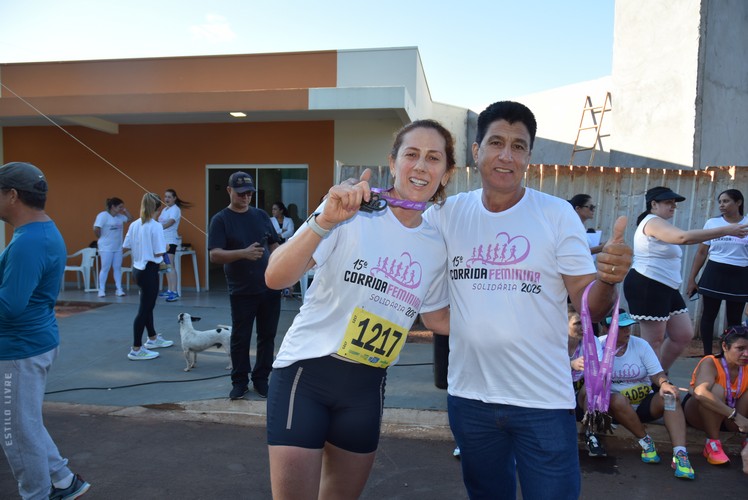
(597, 122)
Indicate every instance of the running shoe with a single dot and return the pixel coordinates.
(142, 354)
(172, 297)
(682, 465)
(714, 453)
(120, 293)
(158, 343)
(165, 293)
(649, 455)
(594, 448)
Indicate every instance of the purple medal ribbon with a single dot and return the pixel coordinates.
(597, 373)
(397, 202)
(730, 396)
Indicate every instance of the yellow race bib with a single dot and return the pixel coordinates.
(637, 393)
(372, 340)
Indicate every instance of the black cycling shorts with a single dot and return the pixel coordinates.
(321, 400)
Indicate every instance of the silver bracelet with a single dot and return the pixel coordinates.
(733, 414)
(311, 222)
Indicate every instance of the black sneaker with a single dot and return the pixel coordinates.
(594, 447)
(76, 489)
(261, 387)
(238, 392)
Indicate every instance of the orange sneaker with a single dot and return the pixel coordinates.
(714, 453)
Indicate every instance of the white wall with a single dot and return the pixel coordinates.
(655, 68)
(722, 124)
(364, 142)
(558, 113)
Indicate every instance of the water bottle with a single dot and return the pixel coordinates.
(669, 402)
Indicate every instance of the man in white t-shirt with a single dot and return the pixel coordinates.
(514, 255)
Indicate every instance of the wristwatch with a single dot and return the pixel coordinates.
(311, 222)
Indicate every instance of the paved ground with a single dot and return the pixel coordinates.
(150, 430)
(151, 457)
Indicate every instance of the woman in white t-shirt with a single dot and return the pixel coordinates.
(652, 286)
(725, 276)
(169, 219)
(108, 229)
(145, 237)
(585, 209)
(374, 271)
(634, 401)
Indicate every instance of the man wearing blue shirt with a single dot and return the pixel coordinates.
(31, 269)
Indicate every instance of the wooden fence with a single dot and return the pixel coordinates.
(615, 191)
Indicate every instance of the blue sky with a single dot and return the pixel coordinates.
(474, 52)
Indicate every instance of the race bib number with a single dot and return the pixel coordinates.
(637, 393)
(371, 339)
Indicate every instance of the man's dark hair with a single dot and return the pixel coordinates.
(33, 200)
(510, 111)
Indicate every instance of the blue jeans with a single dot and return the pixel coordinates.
(497, 440)
(244, 309)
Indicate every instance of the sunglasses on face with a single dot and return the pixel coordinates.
(245, 194)
(591, 207)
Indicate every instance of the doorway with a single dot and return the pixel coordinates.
(286, 183)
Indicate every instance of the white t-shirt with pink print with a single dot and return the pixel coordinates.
(373, 276)
(508, 328)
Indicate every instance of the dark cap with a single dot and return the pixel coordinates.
(241, 182)
(662, 193)
(23, 177)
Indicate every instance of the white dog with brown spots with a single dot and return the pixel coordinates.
(194, 341)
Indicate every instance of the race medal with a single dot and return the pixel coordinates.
(372, 340)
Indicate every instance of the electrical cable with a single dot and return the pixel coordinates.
(128, 386)
(90, 149)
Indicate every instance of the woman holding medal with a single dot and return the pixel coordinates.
(375, 270)
(710, 405)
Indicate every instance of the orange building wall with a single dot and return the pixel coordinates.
(173, 75)
(160, 157)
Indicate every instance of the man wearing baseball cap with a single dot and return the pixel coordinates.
(31, 269)
(241, 237)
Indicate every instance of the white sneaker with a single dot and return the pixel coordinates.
(142, 354)
(158, 343)
(120, 293)
(102, 294)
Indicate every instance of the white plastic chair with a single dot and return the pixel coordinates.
(89, 264)
(127, 271)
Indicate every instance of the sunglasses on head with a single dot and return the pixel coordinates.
(735, 331)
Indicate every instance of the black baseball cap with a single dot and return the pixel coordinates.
(23, 177)
(241, 182)
(662, 193)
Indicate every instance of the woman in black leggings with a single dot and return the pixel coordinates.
(145, 237)
(725, 276)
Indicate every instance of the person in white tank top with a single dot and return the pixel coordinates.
(652, 288)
